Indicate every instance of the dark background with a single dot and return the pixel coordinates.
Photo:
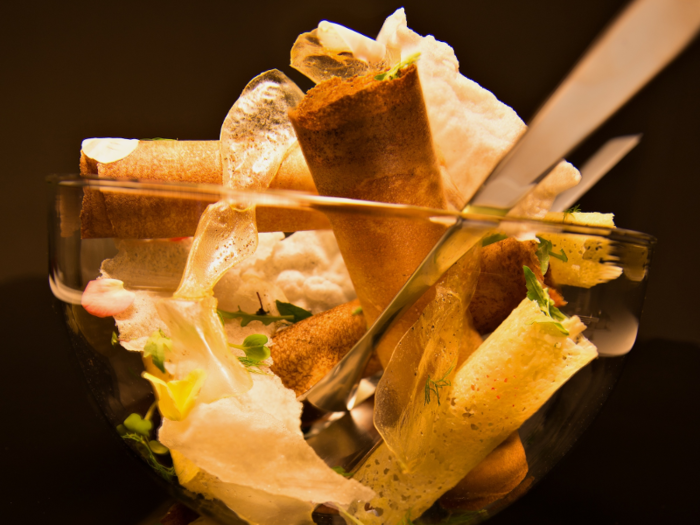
(173, 69)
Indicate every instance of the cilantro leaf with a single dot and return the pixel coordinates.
(573, 209)
(535, 292)
(156, 346)
(395, 72)
(297, 312)
(494, 238)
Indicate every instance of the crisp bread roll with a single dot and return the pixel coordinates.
(131, 216)
(368, 139)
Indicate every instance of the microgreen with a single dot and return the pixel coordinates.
(156, 346)
(535, 292)
(145, 450)
(573, 209)
(255, 351)
(341, 471)
(493, 238)
(395, 72)
(544, 252)
(435, 386)
(136, 424)
(357, 311)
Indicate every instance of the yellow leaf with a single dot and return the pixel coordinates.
(176, 398)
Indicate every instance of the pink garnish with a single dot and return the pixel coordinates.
(106, 297)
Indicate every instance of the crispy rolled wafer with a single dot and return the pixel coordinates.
(107, 214)
(305, 352)
(368, 139)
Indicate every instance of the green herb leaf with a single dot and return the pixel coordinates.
(555, 324)
(535, 292)
(157, 138)
(156, 346)
(435, 386)
(255, 351)
(135, 423)
(357, 311)
(395, 72)
(341, 471)
(246, 318)
(573, 209)
(167, 473)
(494, 238)
(287, 309)
(115, 338)
(544, 252)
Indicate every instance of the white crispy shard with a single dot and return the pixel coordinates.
(235, 438)
(471, 128)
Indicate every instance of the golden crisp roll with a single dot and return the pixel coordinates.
(506, 380)
(368, 139)
(107, 214)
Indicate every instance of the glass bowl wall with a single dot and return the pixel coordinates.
(611, 310)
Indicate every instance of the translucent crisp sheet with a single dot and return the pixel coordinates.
(415, 384)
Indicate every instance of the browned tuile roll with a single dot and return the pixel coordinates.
(501, 286)
(369, 139)
(107, 214)
(306, 351)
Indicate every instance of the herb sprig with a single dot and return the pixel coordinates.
(395, 72)
(535, 292)
(288, 312)
(432, 386)
(544, 252)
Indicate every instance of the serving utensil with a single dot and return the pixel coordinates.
(645, 37)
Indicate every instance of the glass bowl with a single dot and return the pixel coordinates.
(85, 231)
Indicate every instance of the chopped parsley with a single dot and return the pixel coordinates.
(535, 292)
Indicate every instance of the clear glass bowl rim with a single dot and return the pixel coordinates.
(294, 199)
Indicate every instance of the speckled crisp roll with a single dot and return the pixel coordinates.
(107, 214)
(369, 139)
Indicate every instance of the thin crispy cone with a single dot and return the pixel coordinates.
(370, 140)
(131, 216)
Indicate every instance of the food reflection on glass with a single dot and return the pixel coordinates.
(237, 307)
